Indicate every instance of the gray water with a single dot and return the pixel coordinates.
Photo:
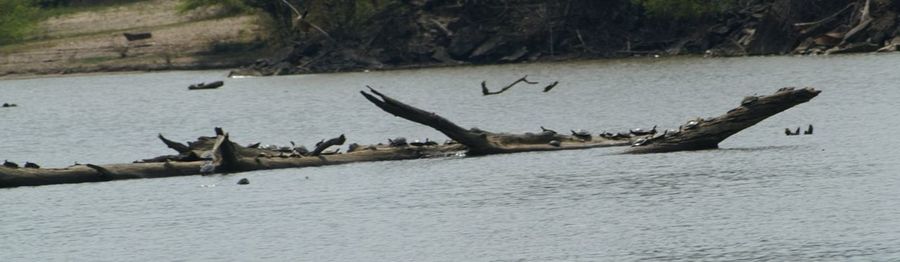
(763, 196)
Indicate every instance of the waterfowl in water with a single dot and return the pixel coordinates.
(8, 164)
(787, 131)
(31, 165)
(243, 181)
(809, 131)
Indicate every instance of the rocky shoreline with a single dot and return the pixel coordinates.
(429, 33)
(441, 33)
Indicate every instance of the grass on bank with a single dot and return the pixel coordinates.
(17, 19)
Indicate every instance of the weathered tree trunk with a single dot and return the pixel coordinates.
(226, 156)
(708, 133)
(698, 134)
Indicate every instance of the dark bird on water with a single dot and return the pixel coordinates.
(484, 89)
(31, 165)
(551, 86)
(8, 164)
(809, 131)
(243, 181)
(787, 131)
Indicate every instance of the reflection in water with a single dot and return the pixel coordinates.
(763, 196)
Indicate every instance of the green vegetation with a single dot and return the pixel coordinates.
(683, 9)
(17, 18)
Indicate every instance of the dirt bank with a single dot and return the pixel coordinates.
(92, 40)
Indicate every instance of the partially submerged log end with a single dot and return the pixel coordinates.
(702, 133)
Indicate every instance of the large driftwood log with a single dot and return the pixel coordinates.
(698, 134)
(225, 156)
(481, 142)
(708, 133)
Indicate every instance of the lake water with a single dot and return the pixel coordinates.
(763, 196)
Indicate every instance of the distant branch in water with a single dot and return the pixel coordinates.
(485, 91)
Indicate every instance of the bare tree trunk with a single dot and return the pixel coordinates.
(708, 133)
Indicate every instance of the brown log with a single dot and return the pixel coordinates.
(15, 177)
(481, 142)
(708, 133)
(231, 157)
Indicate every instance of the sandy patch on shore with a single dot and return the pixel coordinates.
(94, 41)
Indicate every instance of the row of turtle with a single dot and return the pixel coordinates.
(645, 135)
(7, 163)
(300, 150)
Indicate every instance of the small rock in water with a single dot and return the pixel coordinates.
(243, 181)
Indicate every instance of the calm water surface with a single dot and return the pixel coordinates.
(763, 196)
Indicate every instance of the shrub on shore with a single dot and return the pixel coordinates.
(17, 18)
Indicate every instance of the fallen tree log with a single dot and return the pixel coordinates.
(698, 134)
(220, 155)
(228, 158)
